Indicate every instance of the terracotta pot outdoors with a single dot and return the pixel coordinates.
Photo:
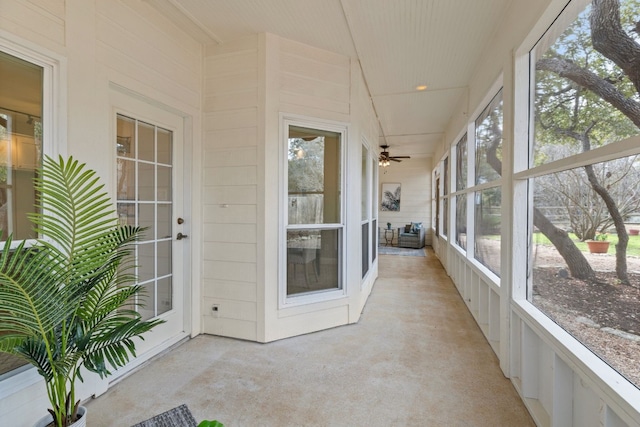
(598, 247)
(634, 231)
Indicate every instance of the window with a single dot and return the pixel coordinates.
(374, 208)
(445, 198)
(488, 170)
(314, 231)
(461, 199)
(364, 206)
(21, 151)
(583, 176)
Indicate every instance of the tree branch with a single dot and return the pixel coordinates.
(612, 41)
(589, 80)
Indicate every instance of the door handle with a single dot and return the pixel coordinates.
(181, 236)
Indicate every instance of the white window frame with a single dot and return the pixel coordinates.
(614, 390)
(284, 300)
(473, 188)
(54, 130)
(368, 177)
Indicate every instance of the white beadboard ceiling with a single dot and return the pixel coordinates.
(400, 44)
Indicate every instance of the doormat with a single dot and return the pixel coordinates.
(179, 416)
(392, 250)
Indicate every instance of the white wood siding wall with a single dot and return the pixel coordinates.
(248, 84)
(415, 199)
(42, 23)
(230, 189)
(102, 42)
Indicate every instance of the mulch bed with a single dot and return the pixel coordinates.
(584, 308)
(605, 302)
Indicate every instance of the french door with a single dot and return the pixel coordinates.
(148, 145)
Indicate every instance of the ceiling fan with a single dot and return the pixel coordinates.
(385, 158)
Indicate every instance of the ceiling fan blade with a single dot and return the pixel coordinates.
(393, 159)
(400, 157)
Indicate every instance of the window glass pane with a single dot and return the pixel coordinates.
(365, 184)
(445, 216)
(487, 228)
(461, 164)
(461, 220)
(20, 143)
(445, 175)
(374, 180)
(374, 239)
(571, 113)
(21, 151)
(365, 249)
(313, 260)
(314, 176)
(583, 286)
(489, 142)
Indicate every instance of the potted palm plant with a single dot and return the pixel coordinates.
(65, 301)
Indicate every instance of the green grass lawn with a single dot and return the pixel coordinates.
(633, 248)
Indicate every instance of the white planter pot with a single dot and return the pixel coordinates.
(82, 422)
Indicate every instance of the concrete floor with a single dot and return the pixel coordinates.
(416, 358)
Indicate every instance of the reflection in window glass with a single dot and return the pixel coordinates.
(314, 179)
(489, 142)
(313, 257)
(487, 228)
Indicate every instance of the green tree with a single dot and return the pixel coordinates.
(588, 84)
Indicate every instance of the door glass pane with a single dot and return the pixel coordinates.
(126, 140)
(146, 182)
(164, 258)
(145, 199)
(146, 261)
(21, 100)
(164, 146)
(147, 220)
(147, 301)
(164, 183)
(165, 295)
(164, 222)
(146, 142)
